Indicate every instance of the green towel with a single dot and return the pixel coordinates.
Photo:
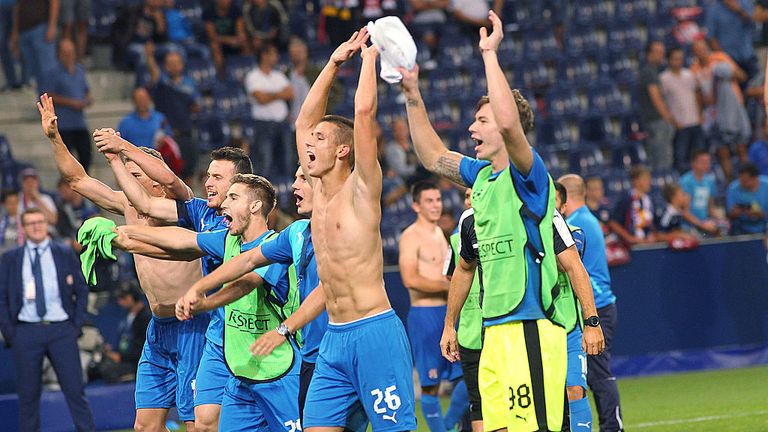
(96, 236)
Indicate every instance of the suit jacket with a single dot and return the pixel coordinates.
(137, 335)
(72, 287)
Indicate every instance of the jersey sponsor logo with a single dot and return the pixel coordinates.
(248, 322)
(496, 248)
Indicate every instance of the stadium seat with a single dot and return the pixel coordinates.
(623, 69)
(622, 38)
(202, 71)
(616, 182)
(447, 84)
(237, 67)
(586, 158)
(584, 41)
(230, 101)
(510, 51)
(103, 16)
(556, 134)
(442, 115)
(213, 133)
(564, 102)
(535, 75)
(601, 130)
(629, 154)
(456, 51)
(192, 10)
(541, 46)
(387, 113)
(576, 71)
(592, 13)
(632, 10)
(606, 99)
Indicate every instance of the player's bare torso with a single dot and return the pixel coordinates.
(432, 247)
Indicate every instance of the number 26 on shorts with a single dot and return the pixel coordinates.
(388, 396)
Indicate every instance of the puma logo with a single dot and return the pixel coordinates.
(586, 425)
(392, 417)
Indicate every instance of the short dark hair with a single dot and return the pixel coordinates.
(345, 133)
(698, 152)
(669, 191)
(235, 155)
(561, 192)
(7, 193)
(260, 188)
(29, 211)
(420, 187)
(749, 169)
(266, 47)
(637, 171)
(130, 289)
(649, 45)
(673, 50)
(524, 110)
(592, 178)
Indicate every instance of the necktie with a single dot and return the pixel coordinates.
(37, 272)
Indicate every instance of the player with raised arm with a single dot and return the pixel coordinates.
(262, 391)
(340, 156)
(166, 372)
(422, 255)
(513, 198)
(199, 215)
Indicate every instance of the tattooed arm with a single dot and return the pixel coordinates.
(429, 147)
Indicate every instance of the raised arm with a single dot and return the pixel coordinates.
(227, 294)
(316, 102)
(108, 141)
(71, 170)
(408, 262)
(123, 242)
(461, 284)
(173, 240)
(366, 99)
(432, 153)
(593, 342)
(502, 101)
(227, 272)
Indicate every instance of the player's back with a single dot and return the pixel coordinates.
(162, 281)
(347, 241)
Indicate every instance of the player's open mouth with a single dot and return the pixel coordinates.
(227, 219)
(311, 156)
(299, 198)
(211, 194)
(478, 142)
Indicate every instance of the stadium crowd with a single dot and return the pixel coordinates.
(658, 105)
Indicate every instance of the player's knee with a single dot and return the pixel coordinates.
(148, 425)
(575, 393)
(206, 420)
(430, 390)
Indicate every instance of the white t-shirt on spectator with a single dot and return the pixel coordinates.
(679, 92)
(275, 81)
(429, 16)
(474, 9)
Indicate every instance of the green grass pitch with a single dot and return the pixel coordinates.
(734, 400)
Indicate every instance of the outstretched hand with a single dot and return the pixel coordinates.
(369, 52)
(410, 81)
(108, 141)
(266, 343)
(186, 305)
(346, 50)
(491, 42)
(48, 116)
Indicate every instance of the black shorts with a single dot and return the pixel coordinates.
(470, 361)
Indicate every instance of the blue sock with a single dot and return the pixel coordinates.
(433, 413)
(581, 415)
(458, 407)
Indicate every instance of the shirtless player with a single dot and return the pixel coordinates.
(168, 364)
(340, 157)
(422, 253)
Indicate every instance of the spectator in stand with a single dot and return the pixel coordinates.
(264, 23)
(677, 219)
(32, 197)
(141, 127)
(595, 199)
(73, 210)
(34, 36)
(758, 151)
(69, 88)
(632, 217)
(375, 9)
(10, 225)
(654, 114)
(177, 97)
(270, 91)
(747, 201)
(178, 27)
(703, 68)
(302, 75)
(225, 29)
(12, 80)
(341, 19)
(729, 28)
(680, 92)
(73, 17)
(120, 362)
(473, 14)
(699, 183)
(400, 155)
(145, 24)
(428, 17)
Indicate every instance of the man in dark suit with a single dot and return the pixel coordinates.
(43, 300)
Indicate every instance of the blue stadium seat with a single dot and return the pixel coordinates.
(662, 178)
(551, 161)
(592, 13)
(586, 158)
(192, 10)
(601, 130)
(202, 71)
(577, 71)
(461, 141)
(442, 115)
(623, 68)
(196, 50)
(606, 99)
(534, 75)
(583, 41)
(629, 154)
(541, 46)
(456, 51)
(616, 182)
(448, 84)
(564, 102)
(556, 134)
(632, 10)
(237, 67)
(230, 101)
(213, 133)
(622, 38)
(388, 113)
(510, 51)
(103, 16)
